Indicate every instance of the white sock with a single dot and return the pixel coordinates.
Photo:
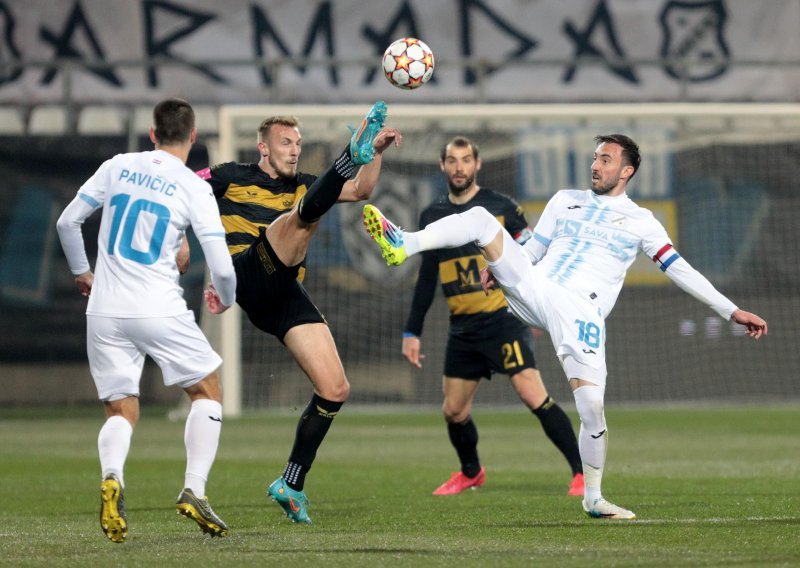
(592, 439)
(592, 483)
(476, 225)
(113, 444)
(203, 427)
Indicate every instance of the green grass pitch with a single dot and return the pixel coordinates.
(716, 486)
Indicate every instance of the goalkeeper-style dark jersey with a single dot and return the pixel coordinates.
(249, 199)
(458, 269)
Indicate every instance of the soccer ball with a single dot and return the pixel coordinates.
(408, 63)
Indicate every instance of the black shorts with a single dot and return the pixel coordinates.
(501, 345)
(268, 291)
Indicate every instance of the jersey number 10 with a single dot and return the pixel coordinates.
(125, 219)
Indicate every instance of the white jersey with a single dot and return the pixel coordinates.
(148, 200)
(592, 240)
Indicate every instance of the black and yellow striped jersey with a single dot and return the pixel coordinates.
(458, 269)
(249, 199)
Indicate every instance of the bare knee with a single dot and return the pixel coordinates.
(530, 388)
(455, 413)
(127, 408)
(336, 391)
(208, 387)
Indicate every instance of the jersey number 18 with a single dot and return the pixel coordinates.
(589, 333)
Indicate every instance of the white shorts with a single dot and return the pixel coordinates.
(576, 325)
(117, 347)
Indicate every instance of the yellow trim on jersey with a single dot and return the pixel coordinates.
(458, 270)
(254, 195)
(236, 249)
(476, 303)
(465, 272)
(237, 224)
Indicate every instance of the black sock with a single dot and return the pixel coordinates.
(464, 437)
(325, 191)
(558, 428)
(311, 429)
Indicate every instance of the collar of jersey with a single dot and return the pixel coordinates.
(604, 200)
(166, 155)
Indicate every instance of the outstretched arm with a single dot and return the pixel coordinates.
(756, 326)
(691, 281)
(361, 187)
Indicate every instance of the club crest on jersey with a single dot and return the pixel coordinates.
(694, 31)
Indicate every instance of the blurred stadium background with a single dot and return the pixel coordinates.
(710, 90)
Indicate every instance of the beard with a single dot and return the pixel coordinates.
(285, 171)
(600, 188)
(458, 189)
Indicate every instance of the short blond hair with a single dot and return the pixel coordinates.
(268, 123)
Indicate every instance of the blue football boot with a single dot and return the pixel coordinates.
(361, 150)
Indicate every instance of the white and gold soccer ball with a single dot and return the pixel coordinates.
(408, 63)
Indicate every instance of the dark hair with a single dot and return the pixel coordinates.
(630, 150)
(267, 123)
(173, 120)
(460, 142)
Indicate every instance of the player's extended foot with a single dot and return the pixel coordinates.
(361, 150)
(294, 503)
(459, 482)
(112, 509)
(602, 509)
(576, 487)
(388, 236)
(192, 506)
